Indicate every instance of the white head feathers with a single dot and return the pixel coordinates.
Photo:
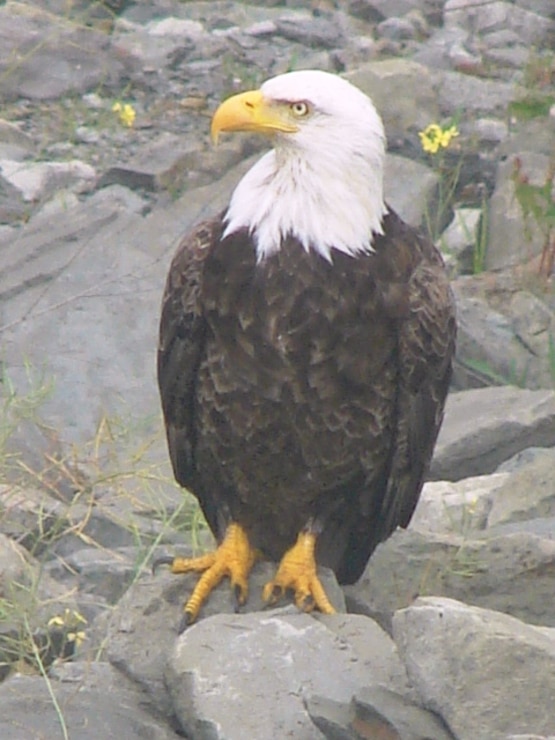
(323, 183)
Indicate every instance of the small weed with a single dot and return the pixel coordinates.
(435, 139)
(466, 563)
(537, 203)
(490, 376)
(538, 81)
(539, 71)
(43, 672)
(117, 477)
(531, 106)
(481, 241)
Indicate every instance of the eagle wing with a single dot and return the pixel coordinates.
(181, 344)
(426, 347)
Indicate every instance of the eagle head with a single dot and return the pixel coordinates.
(322, 183)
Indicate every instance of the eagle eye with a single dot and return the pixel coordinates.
(299, 109)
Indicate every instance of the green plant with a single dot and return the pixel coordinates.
(538, 81)
(539, 71)
(118, 474)
(435, 139)
(488, 374)
(537, 203)
(531, 106)
(480, 241)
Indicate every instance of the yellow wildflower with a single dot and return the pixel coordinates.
(56, 621)
(435, 137)
(126, 113)
(77, 637)
(70, 618)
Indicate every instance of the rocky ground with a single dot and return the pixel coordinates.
(450, 633)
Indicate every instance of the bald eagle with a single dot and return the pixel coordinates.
(305, 351)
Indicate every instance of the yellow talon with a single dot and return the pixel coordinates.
(297, 571)
(234, 558)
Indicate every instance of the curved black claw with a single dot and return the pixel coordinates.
(239, 598)
(186, 621)
(164, 560)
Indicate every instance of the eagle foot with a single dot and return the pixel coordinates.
(233, 558)
(297, 573)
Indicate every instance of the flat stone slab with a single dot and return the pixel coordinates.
(485, 426)
(94, 700)
(264, 668)
(154, 606)
(487, 674)
(512, 573)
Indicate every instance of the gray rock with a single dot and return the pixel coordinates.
(94, 701)
(511, 238)
(30, 599)
(12, 206)
(38, 181)
(87, 135)
(402, 91)
(477, 97)
(466, 662)
(507, 60)
(436, 51)
(15, 144)
(103, 572)
(533, 323)
(70, 58)
(512, 573)
(408, 720)
(480, 17)
(464, 60)
(523, 458)
(29, 595)
(335, 719)
(488, 352)
(229, 666)
(489, 131)
(377, 10)
(153, 606)
(460, 238)
(485, 426)
(310, 31)
(501, 38)
(30, 516)
(69, 295)
(410, 189)
(156, 42)
(495, 344)
(375, 713)
(541, 7)
(10, 133)
(397, 29)
(528, 139)
(526, 493)
(542, 528)
(171, 164)
(457, 508)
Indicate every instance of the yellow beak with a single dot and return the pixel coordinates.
(250, 111)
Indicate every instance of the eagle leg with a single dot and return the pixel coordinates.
(297, 572)
(233, 558)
